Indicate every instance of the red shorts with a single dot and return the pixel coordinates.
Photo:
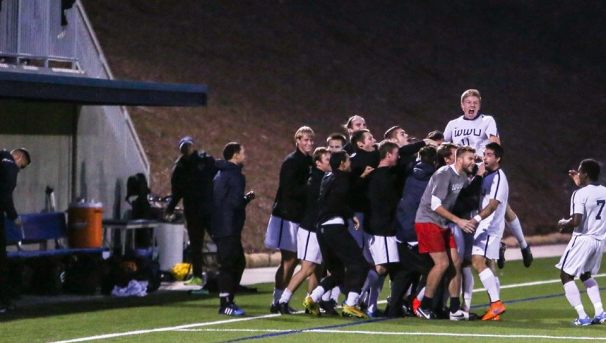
(433, 238)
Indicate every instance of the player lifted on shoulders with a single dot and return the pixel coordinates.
(476, 129)
(583, 255)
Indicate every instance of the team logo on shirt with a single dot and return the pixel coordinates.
(467, 132)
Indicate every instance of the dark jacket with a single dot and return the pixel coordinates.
(469, 199)
(415, 185)
(290, 197)
(310, 218)
(192, 181)
(335, 192)
(359, 161)
(8, 182)
(229, 204)
(407, 161)
(383, 196)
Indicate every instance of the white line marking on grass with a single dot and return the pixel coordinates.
(400, 333)
(168, 328)
(534, 283)
(228, 321)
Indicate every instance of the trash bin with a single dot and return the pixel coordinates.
(170, 244)
(84, 223)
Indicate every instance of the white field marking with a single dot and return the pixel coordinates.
(534, 283)
(168, 328)
(234, 320)
(400, 333)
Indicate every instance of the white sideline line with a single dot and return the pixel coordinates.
(534, 283)
(234, 320)
(168, 328)
(400, 333)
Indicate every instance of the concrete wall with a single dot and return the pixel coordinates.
(46, 130)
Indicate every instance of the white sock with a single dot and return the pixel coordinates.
(286, 295)
(317, 293)
(334, 294)
(516, 229)
(326, 296)
(421, 294)
(593, 291)
(498, 281)
(574, 298)
(375, 290)
(277, 295)
(371, 279)
(467, 288)
(489, 282)
(352, 299)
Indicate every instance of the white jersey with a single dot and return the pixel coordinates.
(471, 132)
(495, 186)
(590, 201)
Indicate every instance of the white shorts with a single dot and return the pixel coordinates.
(463, 240)
(361, 237)
(486, 244)
(583, 254)
(308, 248)
(281, 234)
(383, 249)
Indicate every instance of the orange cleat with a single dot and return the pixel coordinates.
(496, 308)
(415, 304)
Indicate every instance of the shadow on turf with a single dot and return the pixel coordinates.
(101, 303)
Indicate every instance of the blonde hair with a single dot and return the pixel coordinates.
(471, 92)
(304, 130)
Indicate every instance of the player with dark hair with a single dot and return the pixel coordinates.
(342, 256)
(335, 142)
(353, 124)
(229, 214)
(583, 255)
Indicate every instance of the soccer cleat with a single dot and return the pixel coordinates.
(527, 256)
(474, 316)
(231, 310)
(496, 308)
(459, 315)
(600, 318)
(7, 307)
(424, 313)
(501, 260)
(329, 307)
(311, 306)
(496, 318)
(283, 308)
(582, 321)
(353, 311)
(194, 281)
(374, 314)
(274, 308)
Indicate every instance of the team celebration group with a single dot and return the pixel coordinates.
(423, 214)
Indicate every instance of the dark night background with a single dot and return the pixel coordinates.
(275, 65)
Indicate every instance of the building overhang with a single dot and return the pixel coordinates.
(92, 91)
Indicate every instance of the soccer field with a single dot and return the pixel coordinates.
(536, 311)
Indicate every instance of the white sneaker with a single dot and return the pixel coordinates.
(459, 315)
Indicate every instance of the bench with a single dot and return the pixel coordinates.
(40, 228)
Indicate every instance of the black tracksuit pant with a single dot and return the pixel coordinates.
(408, 272)
(4, 289)
(342, 257)
(231, 264)
(197, 223)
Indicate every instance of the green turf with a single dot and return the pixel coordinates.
(547, 316)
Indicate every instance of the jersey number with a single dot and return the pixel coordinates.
(601, 204)
(465, 141)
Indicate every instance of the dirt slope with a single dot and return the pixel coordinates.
(275, 65)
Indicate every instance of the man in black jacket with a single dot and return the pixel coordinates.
(342, 256)
(192, 181)
(229, 213)
(289, 209)
(10, 164)
(308, 249)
